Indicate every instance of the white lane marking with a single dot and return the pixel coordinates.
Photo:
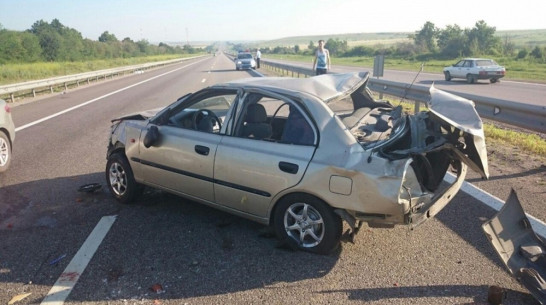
(71, 274)
(495, 203)
(204, 80)
(97, 99)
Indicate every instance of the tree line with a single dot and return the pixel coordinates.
(430, 42)
(55, 42)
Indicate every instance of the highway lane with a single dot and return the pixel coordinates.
(516, 91)
(199, 255)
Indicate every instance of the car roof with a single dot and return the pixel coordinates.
(325, 87)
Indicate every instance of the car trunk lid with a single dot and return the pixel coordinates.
(461, 114)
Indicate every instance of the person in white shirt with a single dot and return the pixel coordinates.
(258, 56)
(322, 59)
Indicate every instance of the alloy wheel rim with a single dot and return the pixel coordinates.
(118, 179)
(304, 224)
(4, 152)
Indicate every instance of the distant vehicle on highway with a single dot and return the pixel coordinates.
(7, 135)
(245, 61)
(301, 155)
(473, 69)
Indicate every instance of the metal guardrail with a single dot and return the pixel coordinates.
(51, 83)
(531, 117)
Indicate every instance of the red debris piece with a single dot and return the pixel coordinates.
(157, 288)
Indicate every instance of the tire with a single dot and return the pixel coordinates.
(470, 79)
(5, 152)
(120, 179)
(307, 223)
(447, 76)
(494, 80)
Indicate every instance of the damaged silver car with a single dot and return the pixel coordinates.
(301, 155)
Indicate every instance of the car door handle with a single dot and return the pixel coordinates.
(290, 168)
(202, 150)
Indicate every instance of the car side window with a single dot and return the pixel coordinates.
(206, 114)
(270, 119)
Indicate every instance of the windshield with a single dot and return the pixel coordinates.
(244, 56)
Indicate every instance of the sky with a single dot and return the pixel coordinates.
(244, 20)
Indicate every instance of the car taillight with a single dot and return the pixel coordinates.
(483, 72)
(6, 107)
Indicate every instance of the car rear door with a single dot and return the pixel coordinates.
(249, 172)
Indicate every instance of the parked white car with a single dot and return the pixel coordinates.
(7, 135)
(473, 69)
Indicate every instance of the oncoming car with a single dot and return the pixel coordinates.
(301, 155)
(7, 135)
(244, 61)
(473, 69)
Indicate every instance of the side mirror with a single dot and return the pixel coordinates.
(151, 136)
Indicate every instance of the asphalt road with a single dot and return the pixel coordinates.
(195, 254)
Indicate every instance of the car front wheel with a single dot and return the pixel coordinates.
(5, 152)
(120, 179)
(447, 76)
(307, 223)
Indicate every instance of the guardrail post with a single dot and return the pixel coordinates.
(65, 87)
(33, 92)
(51, 89)
(12, 98)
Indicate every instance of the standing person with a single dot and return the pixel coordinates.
(322, 59)
(258, 56)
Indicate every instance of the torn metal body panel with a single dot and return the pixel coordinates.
(521, 250)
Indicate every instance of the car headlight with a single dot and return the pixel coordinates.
(239, 62)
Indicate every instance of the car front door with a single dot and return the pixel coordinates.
(258, 159)
(458, 69)
(182, 159)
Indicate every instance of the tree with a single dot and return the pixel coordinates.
(311, 46)
(536, 53)
(107, 37)
(482, 39)
(336, 46)
(452, 41)
(425, 39)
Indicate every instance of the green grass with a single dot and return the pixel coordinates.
(16, 73)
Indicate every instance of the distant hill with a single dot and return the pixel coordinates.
(526, 38)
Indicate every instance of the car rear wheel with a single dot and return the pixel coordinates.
(494, 80)
(470, 79)
(307, 223)
(5, 152)
(447, 76)
(120, 179)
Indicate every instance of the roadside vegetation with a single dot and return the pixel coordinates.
(52, 49)
(16, 73)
